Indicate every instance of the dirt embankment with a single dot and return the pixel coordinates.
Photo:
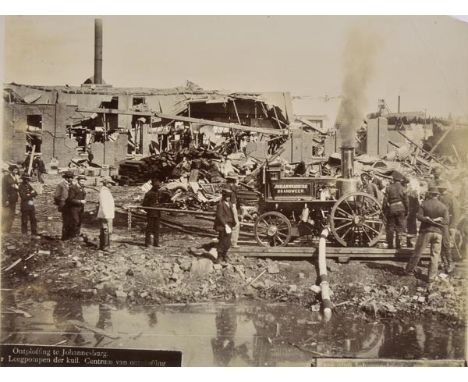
(133, 274)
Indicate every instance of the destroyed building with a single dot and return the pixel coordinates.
(114, 123)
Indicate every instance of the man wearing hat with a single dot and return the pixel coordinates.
(433, 215)
(28, 210)
(60, 197)
(395, 206)
(38, 167)
(74, 205)
(106, 212)
(232, 179)
(368, 186)
(153, 217)
(223, 224)
(449, 229)
(10, 186)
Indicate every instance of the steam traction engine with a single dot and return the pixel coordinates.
(298, 206)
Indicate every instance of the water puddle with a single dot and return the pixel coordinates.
(225, 334)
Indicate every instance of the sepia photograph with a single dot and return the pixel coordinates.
(234, 191)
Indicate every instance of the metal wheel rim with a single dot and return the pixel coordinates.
(263, 224)
(348, 229)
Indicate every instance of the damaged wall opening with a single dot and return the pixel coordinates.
(138, 101)
(34, 132)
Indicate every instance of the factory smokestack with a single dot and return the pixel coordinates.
(98, 51)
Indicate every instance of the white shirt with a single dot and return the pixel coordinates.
(106, 204)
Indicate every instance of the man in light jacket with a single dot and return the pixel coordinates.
(106, 213)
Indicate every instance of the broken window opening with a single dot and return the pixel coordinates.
(140, 127)
(138, 101)
(34, 133)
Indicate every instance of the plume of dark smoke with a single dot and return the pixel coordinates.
(358, 65)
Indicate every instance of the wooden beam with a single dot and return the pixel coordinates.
(237, 113)
(115, 111)
(190, 212)
(419, 147)
(332, 252)
(261, 130)
(441, 139)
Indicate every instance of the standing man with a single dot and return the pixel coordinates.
(39, 167)
(60, 198)
(10, 186)
(368, 186)
(153, 217)
(75, 205)
(449, 229)
(106, 213)
(433, 215)
(395, 206)
(232, 179)
(28, 210)
(224, 222)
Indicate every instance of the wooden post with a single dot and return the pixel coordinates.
(31, 159)
(456, 153)
(277, 119)
(105, 137)
(237, 114)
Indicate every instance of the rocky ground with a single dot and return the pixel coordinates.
(129, 273)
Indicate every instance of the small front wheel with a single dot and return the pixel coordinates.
(272, 229)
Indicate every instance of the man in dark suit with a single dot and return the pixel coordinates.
(75, 205)
(223, 224)
(60, 198)
(153, 217)
(10, 185)
(28, 211)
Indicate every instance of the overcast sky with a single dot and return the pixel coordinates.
(424, 59)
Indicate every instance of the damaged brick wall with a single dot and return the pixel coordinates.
(112, 152)
(55, 140)
(14, 140)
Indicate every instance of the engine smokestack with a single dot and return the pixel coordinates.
(98, 51)
(347, 162)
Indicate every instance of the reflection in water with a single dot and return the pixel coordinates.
(397, 334)
(65, 312)
(230, 335)
(104, 322)
(152, 319)
(223, 344)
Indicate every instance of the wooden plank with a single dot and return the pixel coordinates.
(115, 111)
(332, 252)
(189, 212)
(424, 151)
(441, 139)
(261, 130)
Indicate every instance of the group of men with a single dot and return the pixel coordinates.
(70, 198)
(437, 214)
(12, 191)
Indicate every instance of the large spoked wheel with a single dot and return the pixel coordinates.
(356, 220)
(272, 229)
